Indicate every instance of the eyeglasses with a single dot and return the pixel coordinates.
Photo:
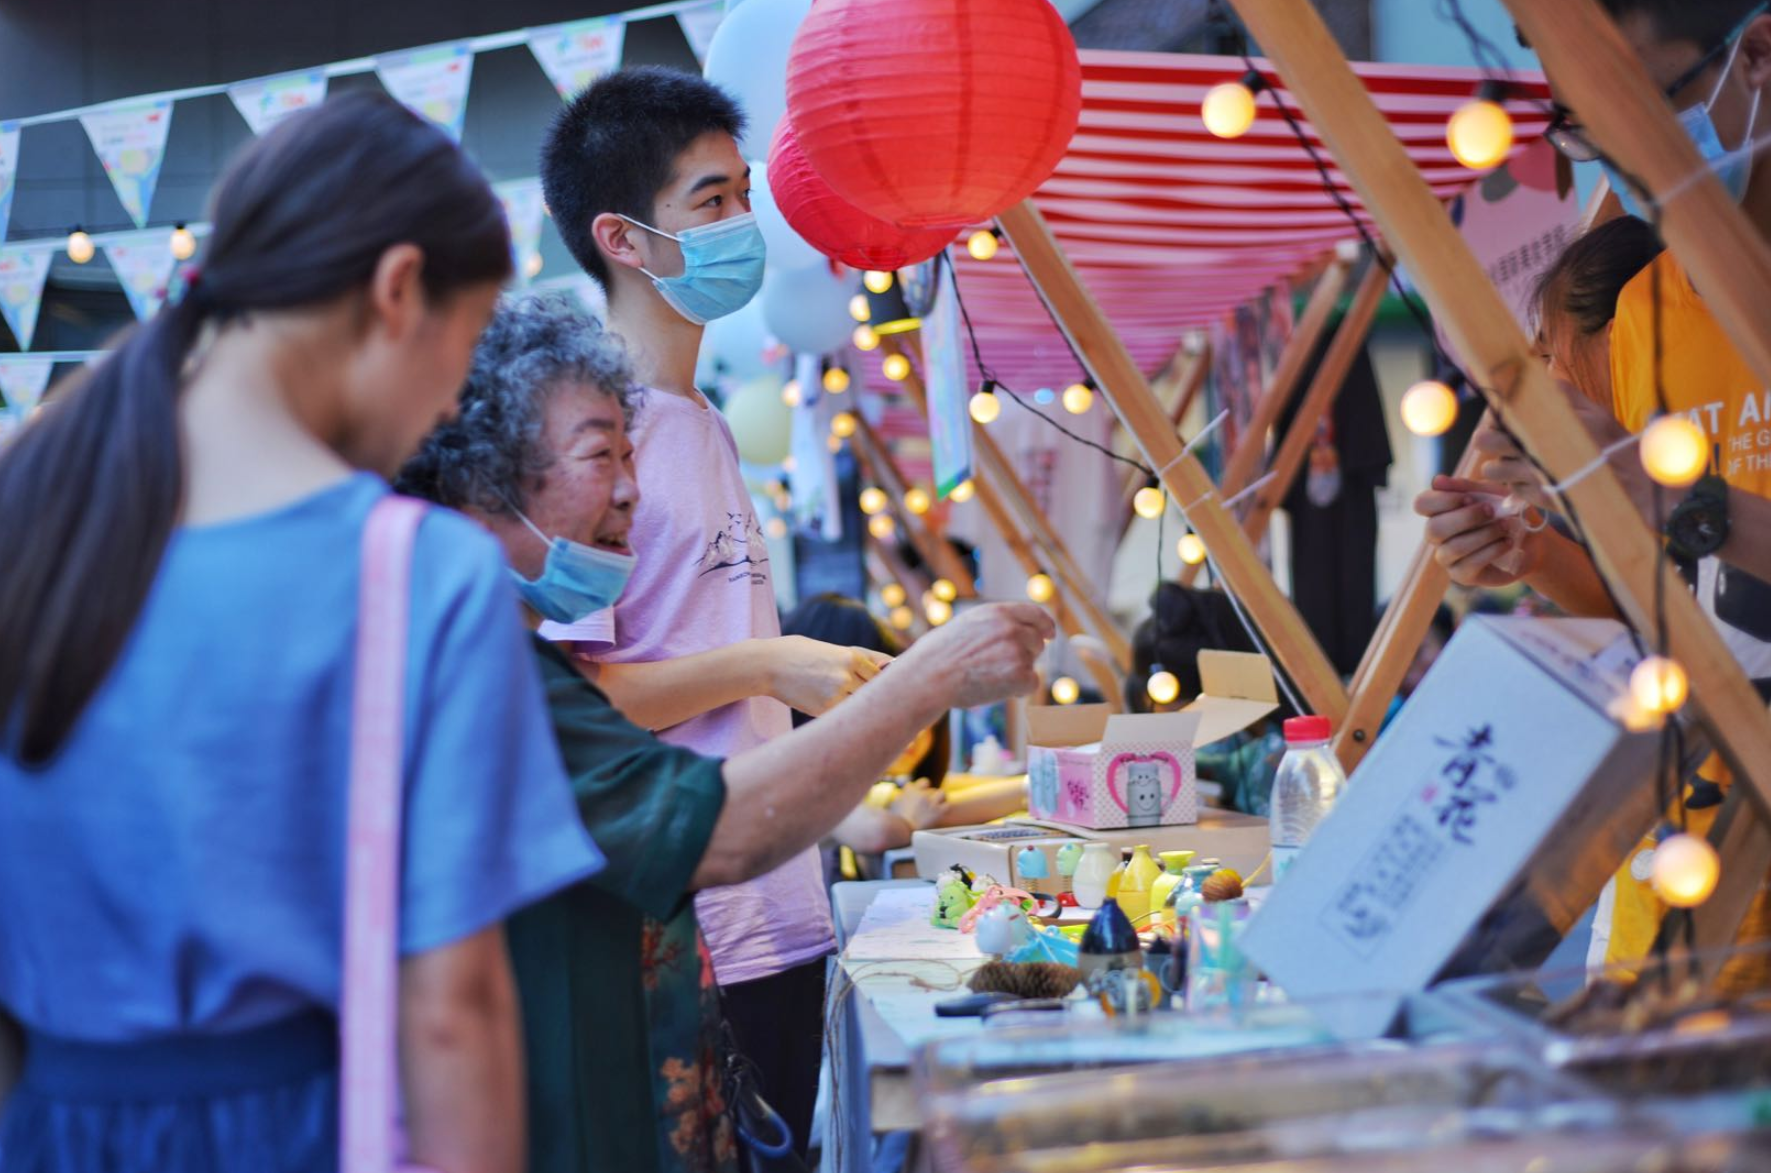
(1569, 137)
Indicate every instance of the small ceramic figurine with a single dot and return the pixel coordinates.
(1090, 881)
(1069, 856)
(953, 899)
(1030, 864)
(1003, 929)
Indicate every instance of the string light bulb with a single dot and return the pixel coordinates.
(1429, 408)
(80, 247)
(962, 492)
(833, 443)
(982, 244)
(944, 590)
(1228, 110)
(776, 528)
(789, 465)
(1659, 685)
(892, 595)
(1163, 686)
(865, 337)
(917, 501)
(1674, 451)
(877, 281)
(938, 611)
(1078, 398)
(836, 380)
(842, 424)
(882, 526)
(1041, 588)
(1065, 690)
(790, 394)
(896, 367)
(1149, 503)
(858, 308)
(182, 242)
(985, 406)
(1685, 870)
(902, 617)
(1192, 550)
(873, 501)
(1480, 134)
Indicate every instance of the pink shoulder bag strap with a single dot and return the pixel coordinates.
(370, 1137)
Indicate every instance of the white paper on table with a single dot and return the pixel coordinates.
(896, 927)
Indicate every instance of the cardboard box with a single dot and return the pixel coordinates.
(1500, 773)
(1092, 768)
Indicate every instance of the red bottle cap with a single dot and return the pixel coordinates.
(1301, 729)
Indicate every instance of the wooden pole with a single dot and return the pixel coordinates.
(1343, 352)
(1243, 572)
(1251, 446)
(1726, 258)
(924, 533)
(1190, 381)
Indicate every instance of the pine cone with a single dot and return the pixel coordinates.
(1222, 884)
(1032, 979)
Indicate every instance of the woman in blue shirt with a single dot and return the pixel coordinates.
(178, 613)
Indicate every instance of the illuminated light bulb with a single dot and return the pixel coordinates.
(833, 443)
(182, 242)
(877, 281)
(982, 244)
(916, 500)
(1228, 109)
(1659, 685)
(902, 617)
(865, 338)
(873, 501)
(1685, 870)
(776, 528)
(842, 424)
(1480, 134)
(790, 394)
(985, 406)
(944, 590)
(1674, 451)
(892, 595)
(896, 367)
(938, 611)
(962, 492)
(1192, 550)
(1429, 408)
(1065, 690)
(789, 464)
(882, 526)
(836, 380)
(532, 265)
(1041, 588)
(1078, 398)
(858, 309)
(80, 247)
(1149, 503)
(1163, 687)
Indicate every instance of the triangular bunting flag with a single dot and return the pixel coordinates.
(22, 381)
(698, 25)
(8, 171)
(143, 262)
(268, 100)
(432, 82)
(22, 273)
(576, 54)
(131, 142)
(523, 211)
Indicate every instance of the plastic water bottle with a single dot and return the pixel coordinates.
(1308, 783)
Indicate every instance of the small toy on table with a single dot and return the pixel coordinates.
(953, 898)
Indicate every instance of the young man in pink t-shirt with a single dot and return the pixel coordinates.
(645, 183)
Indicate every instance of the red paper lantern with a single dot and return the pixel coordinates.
(934, 112)
(835, 227)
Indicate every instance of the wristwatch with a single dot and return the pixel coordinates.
(1698, 525)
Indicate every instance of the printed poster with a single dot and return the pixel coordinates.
(523, 210)
(131, 143)
(949, 396)
(22, 274)
(266, 101)
(22, 383)
(574, 55)
(698, 26)
(8, 171)
(143, 262)
(431, 82)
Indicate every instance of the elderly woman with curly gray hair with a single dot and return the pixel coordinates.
(619, 1006)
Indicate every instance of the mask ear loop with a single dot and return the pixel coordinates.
(643, 269)
(524, 518)
(1748, 147)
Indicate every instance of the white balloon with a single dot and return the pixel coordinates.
(787, 248)
(735, 345)
(748, 57)
(762, 425)
(808, 309)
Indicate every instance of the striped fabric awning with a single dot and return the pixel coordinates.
(1171, 227)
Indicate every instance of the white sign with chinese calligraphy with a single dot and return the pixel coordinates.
(1503, 738)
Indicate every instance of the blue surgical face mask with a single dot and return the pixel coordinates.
(576, 580)
(1733, 167)
(722, 267)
